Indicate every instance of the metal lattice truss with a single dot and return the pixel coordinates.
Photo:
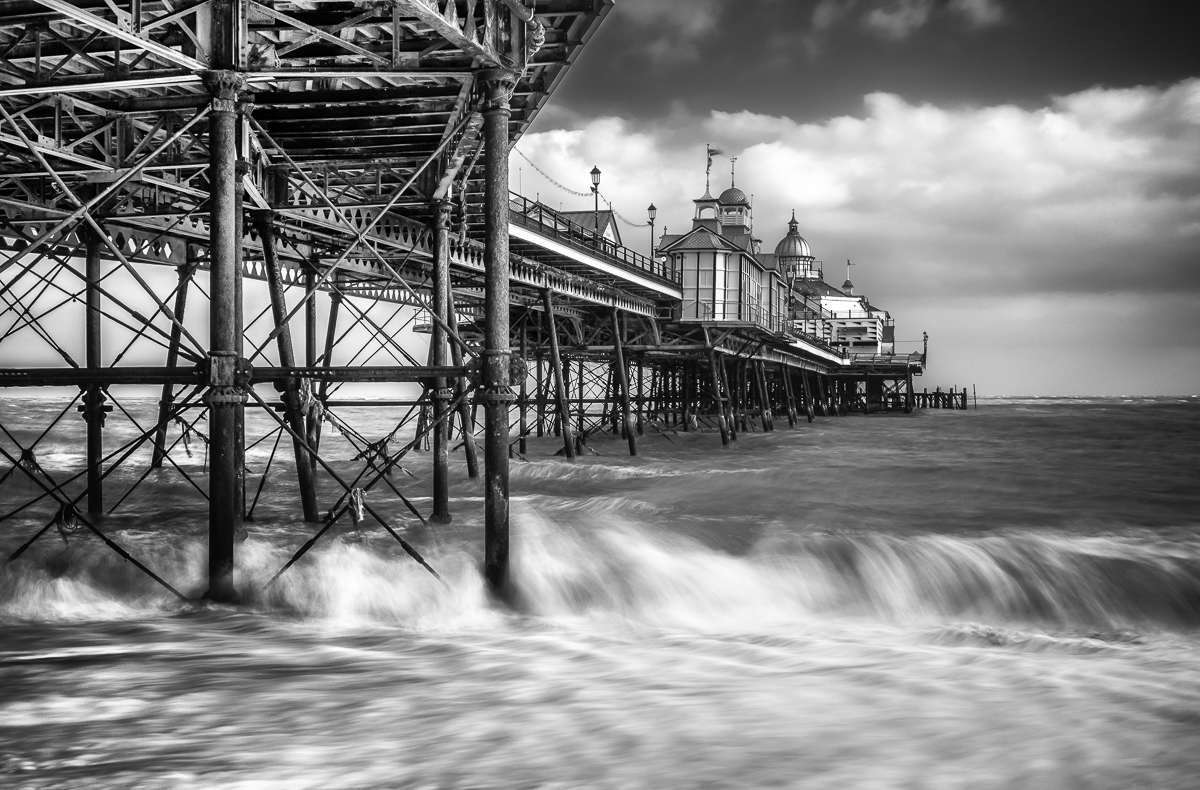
(353, 118)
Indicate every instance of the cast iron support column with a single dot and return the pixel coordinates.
(465, 418)
(641, 396)
(321, 391)
(227, 373)
(167, 400)
(497, 355)
(290, 389)
(312, 421)
(441, 358)
(713, 362)
(687, 387)
(523, 395)
(93, 400)
(788, 394)
(808, 397)
(729, 419)
(623, 381)
(764, 388)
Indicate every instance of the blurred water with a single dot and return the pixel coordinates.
(1006, 597)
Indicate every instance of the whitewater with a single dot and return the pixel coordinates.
(1006, 597)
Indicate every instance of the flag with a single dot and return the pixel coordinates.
(711, 153)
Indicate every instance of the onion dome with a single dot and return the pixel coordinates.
(793, 244)
(733, 197)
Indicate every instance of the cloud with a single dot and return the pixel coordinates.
(898, 19)
(1082, 213)
(978, 13)
(667, 34)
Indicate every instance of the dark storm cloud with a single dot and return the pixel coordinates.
(811, 59)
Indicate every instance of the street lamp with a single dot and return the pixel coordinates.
(652, 212)
(596, 197)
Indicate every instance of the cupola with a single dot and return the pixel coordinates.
(735, 208)
(793, 255)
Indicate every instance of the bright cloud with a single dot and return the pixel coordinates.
(1084, 211)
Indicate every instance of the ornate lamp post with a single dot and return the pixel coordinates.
(652, 212)
(596, 197)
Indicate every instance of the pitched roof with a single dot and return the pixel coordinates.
(701, 239)
(587, 221)
(818, 287)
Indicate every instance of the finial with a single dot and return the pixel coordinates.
(710, 152)
(732, 172)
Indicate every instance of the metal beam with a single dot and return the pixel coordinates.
(73, 12)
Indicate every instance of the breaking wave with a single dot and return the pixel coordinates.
(609, 562)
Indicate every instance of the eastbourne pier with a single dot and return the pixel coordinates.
(348, 162)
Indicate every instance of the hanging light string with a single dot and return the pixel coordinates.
(547, 176)
(570, 191)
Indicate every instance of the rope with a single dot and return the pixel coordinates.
(570, 191)
(310, 405)
(376, 451)
(622, 218)
(67, 521)
(549, 178)
(29, 462)
(187, 431)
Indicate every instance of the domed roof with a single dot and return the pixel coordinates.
(733, 197)
(793, 244)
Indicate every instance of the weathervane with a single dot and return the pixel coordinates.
(708, 170)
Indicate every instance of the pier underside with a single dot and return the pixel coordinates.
(239, 205)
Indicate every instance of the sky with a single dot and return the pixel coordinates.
(1018, 178)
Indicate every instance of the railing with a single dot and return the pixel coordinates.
(798, 272)
(546, 221)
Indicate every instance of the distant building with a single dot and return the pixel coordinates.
(727, 278)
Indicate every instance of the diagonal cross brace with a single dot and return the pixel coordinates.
(83, 210)
(76, 14)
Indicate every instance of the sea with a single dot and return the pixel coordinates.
(1002, 597)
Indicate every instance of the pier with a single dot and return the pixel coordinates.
(302, 171)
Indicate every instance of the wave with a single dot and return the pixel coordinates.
(608, 563)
